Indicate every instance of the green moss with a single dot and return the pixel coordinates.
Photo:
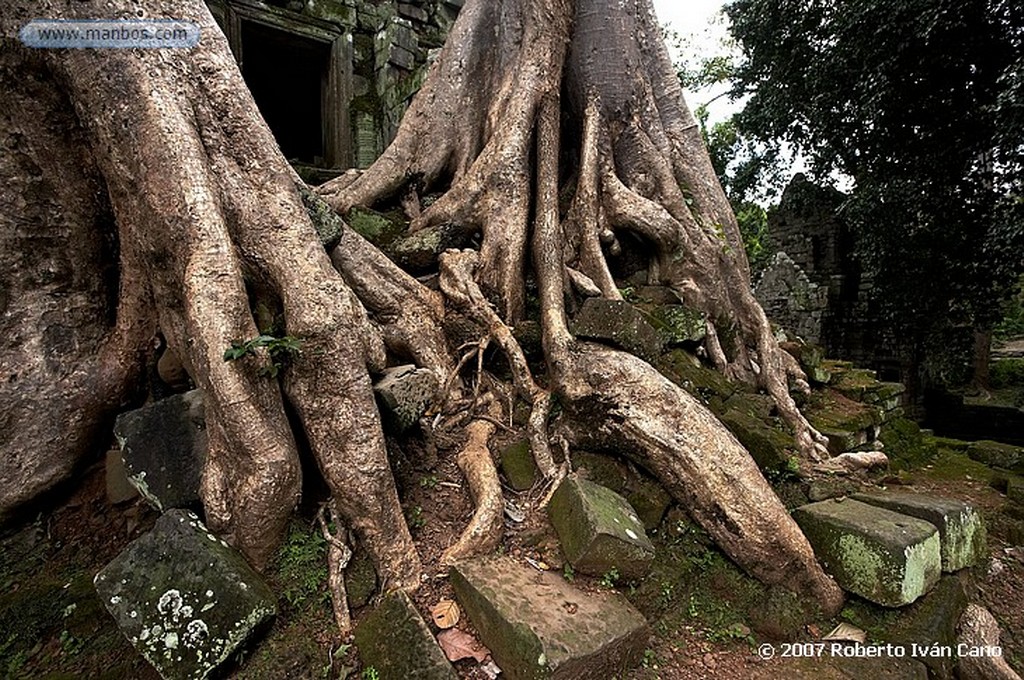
(905, 445)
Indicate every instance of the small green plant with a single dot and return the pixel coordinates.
(69, 644)
(302, 565)
(568, 573)
(280, 351)
(610, 578)
(429, 482)
(370, 673)
(415, 518)
(650, 659)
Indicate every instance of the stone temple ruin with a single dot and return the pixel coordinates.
(332, 78)
(813, 284)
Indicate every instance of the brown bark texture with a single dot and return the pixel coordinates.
(554, 129)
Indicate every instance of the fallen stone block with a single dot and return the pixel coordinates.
(599, 531)
(395, 641)
(883, 556)
(538, 626)
(770, 447)
(619, 323)
(996, 454)
(961, 527)
(519, 466)
(931, 621)
(404, 393)
(643, 493)
(183, 598)
(678, 324)
(163, 446)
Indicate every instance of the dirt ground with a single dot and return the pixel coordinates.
(52, 624)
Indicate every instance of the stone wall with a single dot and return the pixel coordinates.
(814, 286)
(379, 52)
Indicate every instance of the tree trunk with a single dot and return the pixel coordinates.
(209, 219)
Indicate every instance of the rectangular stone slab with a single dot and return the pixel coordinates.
(599, 530)
(883, 556)
(396, 642)
(183, 598)
(539, 626)
(961, 527)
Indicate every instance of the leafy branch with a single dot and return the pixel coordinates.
(280, 351)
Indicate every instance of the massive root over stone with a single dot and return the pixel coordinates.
(211, 224)
(628, 153)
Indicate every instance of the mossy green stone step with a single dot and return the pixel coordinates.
(539, 626)
(883, 556)
(961, 527)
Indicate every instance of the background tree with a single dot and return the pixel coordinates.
(918, 101)
(211, 222)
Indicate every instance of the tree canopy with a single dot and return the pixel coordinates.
(919, 103)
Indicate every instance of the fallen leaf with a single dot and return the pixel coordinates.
(445, 614)
(458, 644)
(844, 632)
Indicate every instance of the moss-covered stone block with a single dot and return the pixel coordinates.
(360, 579)
(847, 424)
(519, 466)
(418, 252)
(395, 641)
(643, 493)
(678, 324)
(854, 382)
(957, 445)
(599, 531)
(326, 221)
(770, 447)
(375, 227)
(811, 358)
(538, 626)
(183, 598)
(996, 454)
(961, 526)
(932, 621)
(686, 371)
(618, 323)
(883, 556)
(905, 445)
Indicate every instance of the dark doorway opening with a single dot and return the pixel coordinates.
(287, 75)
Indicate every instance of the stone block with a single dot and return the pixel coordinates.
(404, 393)
(183, 598)
(931, 621)
(395, 641)
(961, 527)
(678, 324)
(996, 454)
(769, 447)
(883, 556)
(702, 382)
(538, 626)
(163, 446)
(599, 531)
(643, 493)
(518, 465)
(618, 323)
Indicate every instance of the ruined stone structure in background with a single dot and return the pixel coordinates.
(814, 286)
(332, 78)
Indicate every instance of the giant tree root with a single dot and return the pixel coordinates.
(484, 532)
(978, 630)
(209, 217)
